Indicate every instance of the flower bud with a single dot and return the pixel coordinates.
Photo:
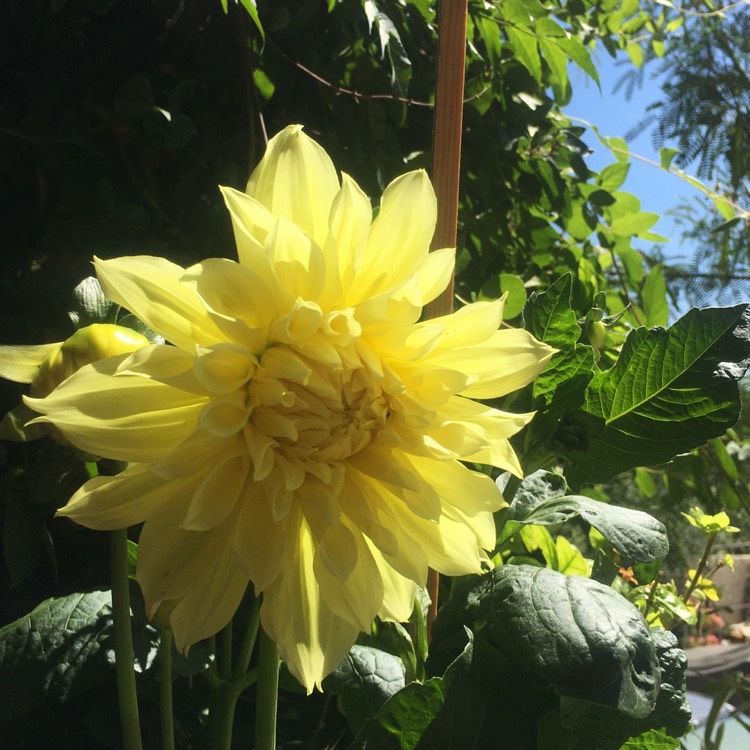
(85, 346)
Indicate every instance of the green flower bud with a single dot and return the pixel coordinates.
(85, 346)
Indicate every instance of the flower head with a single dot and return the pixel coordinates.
(303, 431)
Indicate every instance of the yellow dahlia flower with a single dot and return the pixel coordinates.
(303, 431)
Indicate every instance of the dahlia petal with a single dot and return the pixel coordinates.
(399, 237)
(234, 291)
(311, 638)
(165, 364)
(151, 288)
(108, 503)
(434, 274)
(398, 591)
(296, 180)
(378, 513)
(216, 496)
(196, 568)
(459, 486)
(471, 324)
(358, 596)
(297, 261)
(259, 539)
(349, 223)
(339, 551)
(509, 360)
(224, 368)
(251, 222)
(452, 548)
(123, 417)
(199, 449)
(21, 363)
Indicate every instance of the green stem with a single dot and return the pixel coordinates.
(248, 642)
(224, 657)
(699, 570)
(224, 697)
(126, 692)
(165, 690)
(268, 689)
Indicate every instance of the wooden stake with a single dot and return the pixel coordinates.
(446, 163)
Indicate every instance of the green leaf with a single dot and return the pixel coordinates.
(526, 50)
(560, 389)
(401, 722)
(666, 154)
(55, 652)
(613, 176)
(601, 727)
(252, 11)
(540, 500)
(670, 391)
(390, 42)
(635, 53)
(89, 305)
(132, 558)
(549, 318)
(364, 681)
(557, 62)
(512, 286)
(625, 215)
(570, 633)
(726, 209)
(654, 297)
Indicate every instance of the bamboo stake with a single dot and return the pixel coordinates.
(446, 163)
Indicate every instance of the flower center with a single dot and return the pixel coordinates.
(300, 415)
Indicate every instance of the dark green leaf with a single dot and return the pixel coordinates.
(637, 535)
(402, 721)
(364, 681)
(89, 305)
(55, 652)
(569, 632)
(549, 318)
(669, 392)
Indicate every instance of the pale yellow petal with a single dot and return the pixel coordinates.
(349, 224)
(124, 500)
(216, 496)
(400, 235)
(152, 289)
(260, 540)
(234, 293)
(192, 570)
(357, 596)
(296, 260)
(165, 364)
(252, 222)
(471, 324)
(398, 591)
(470, 491)
(296, 180)
(312, 640)
(378, 513)
(509, 360)
(224, 368)
(124, 417)
(20, 363)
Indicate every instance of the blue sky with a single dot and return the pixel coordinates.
(614, 115)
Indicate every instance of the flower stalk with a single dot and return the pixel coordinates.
(126, 690)
(165, 689)
(268, 690)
